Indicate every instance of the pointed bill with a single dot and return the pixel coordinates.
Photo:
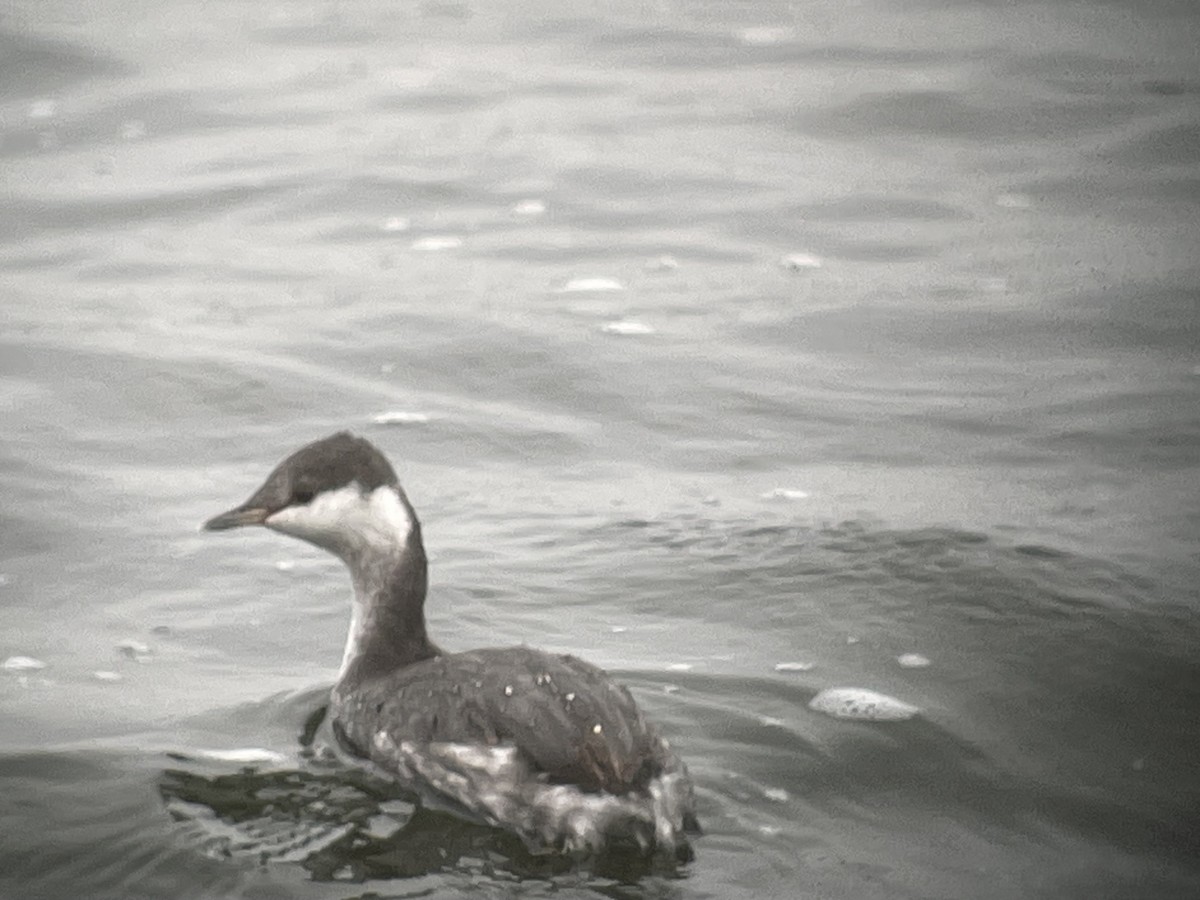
(236, 518)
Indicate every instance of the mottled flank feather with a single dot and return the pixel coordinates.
(553, 749)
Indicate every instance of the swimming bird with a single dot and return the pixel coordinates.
(542, 744)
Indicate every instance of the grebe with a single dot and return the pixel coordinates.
(544, 745)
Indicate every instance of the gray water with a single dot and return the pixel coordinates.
(726, 335)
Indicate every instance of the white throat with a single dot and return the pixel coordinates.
(355, 636)
(369, 532)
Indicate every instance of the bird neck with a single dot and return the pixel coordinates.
(387, 620)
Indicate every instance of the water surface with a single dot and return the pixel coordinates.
(724, 335)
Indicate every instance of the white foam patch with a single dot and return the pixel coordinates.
(785, 494)
(105, 675)
(133, 130)
(43, 109)
(1014, 201)
(22, 664)
(437, 242)
(795, 262)
(912, 661)
(862, 705)
(584, 285)
(400, 417)
(244, 755)
(531, 207)
(627, 328)
(765, 35)
(793, 666)
(134, 648)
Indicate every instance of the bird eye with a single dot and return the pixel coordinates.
(302, 496)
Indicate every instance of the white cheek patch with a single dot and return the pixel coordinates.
(387, 510)
(345, 519)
